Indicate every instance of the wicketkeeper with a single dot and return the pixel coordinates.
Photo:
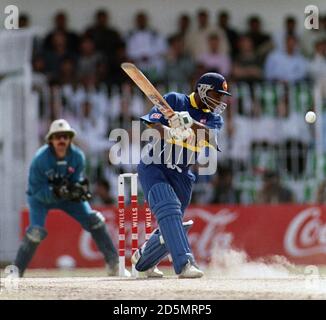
(56, 181)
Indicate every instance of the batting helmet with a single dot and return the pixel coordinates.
(216, 82)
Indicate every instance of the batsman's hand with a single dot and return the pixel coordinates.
(181, 120)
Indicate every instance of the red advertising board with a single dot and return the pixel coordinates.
(296, 232)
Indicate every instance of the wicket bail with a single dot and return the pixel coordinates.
(134, 221)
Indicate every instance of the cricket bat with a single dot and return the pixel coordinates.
(148, 89)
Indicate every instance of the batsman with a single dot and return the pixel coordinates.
(167, 181)
(56, 181)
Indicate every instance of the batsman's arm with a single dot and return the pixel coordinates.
(161, 128)
(199, 127)
(206, 133)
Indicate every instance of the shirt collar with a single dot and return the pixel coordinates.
(193, 103)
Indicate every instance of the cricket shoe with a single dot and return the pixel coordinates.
(114, 271)
(190, 271)
(153, 272)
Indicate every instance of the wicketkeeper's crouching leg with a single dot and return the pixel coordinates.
(100, 235)
(33, 237)
(94, 222)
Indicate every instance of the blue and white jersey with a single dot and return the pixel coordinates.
(174, 152)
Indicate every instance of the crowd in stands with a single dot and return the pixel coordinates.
(79, 77)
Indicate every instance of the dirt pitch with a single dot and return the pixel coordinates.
(90, 284)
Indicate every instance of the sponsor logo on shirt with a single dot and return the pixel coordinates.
(71, 170)
(204, 120)
(156, 116)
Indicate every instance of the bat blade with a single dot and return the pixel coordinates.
(148, 89)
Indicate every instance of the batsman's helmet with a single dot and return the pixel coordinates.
(216, 82)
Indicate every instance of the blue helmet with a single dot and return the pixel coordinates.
(216, 82)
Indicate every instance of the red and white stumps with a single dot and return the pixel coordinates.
(134, 220)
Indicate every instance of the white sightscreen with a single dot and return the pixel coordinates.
(18, 133)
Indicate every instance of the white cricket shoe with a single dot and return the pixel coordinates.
(150, 273)
(190, 271)
(114, 271)
(154, 273)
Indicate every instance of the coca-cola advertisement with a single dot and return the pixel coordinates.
(295, 232)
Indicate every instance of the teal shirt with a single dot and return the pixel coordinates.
(45, 167)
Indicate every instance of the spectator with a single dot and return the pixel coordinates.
(89, 57)
(107, 39)
(183, 30)
(317, 66)
(23, 21)
(246, 66)
(272, 191)
(102, 193)
(214, 60)
(310, 37)
(116, 76)
(108, 42)
(196, 41)
(261, 41)
(290, 29)
(224, 191)
(91, 130)
(40, 85)
(231, 34)
(184, 24)
(146, 47)
(67, 73)
(38, 65)
(179, 65)
(58, 53)
(60, 25)
(288, 65)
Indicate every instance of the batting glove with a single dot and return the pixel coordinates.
(180, 134)
(181, 120)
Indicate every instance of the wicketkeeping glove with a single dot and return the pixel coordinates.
(61, 189)
(80, 191)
